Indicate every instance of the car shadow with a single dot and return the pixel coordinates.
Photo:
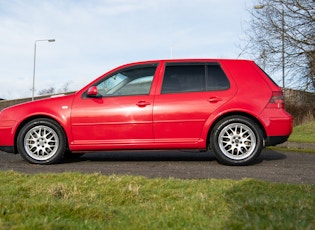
(144, 155)
(163, 155)
(270, 155)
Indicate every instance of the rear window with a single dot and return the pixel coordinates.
(194, 78)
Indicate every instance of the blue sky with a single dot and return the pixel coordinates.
(94, 36)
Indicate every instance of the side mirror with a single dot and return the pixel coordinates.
(92, 92)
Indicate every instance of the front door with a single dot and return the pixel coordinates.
(120, 116)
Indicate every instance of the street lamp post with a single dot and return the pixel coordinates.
(47, 40)
(282, 39)
(258, 7)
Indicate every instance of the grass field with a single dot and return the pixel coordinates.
(304, 133)
(94, 201)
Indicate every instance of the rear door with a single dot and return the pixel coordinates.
(189, 93)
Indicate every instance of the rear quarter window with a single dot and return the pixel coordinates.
(216, 78)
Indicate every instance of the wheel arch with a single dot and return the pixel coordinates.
(235, 113)
(25, 121)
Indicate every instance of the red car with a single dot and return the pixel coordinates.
(228, 106)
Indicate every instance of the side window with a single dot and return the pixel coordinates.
(183, 78)
(109, 85)
(135, 81)
(216, 78)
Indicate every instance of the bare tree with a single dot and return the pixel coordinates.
(48, 91)
(65, 88)
(52, 90)
(281, 38)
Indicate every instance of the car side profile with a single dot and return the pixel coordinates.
(230, 107)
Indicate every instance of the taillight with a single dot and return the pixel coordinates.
(276, 100)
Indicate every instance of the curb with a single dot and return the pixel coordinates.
(298, 145)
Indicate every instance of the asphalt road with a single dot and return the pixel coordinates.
(274, 166)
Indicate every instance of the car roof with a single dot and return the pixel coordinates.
(191, 60)
(182, 60)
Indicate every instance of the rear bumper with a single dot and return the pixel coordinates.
(278, 125)
(275, 140)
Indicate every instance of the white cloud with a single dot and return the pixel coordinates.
(94, 36)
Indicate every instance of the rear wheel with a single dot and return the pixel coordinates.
(236, 140)
(41, 141)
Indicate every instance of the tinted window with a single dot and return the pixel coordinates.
(134, 81)
(194, 78)
(216, 78)
(184, 78)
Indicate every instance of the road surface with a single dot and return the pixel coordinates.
(274, 166)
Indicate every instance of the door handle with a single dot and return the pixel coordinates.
(143, 103)
(214, 99)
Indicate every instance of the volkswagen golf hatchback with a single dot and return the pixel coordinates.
(230, 107)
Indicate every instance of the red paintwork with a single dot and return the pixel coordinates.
(153, 121)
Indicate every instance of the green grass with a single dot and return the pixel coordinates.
(304, 133)
(94, 201)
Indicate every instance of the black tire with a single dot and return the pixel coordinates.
(236, 140)
(42, 141)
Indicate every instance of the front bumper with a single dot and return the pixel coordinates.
(7, 129)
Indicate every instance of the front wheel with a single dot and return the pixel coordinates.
(236, 140)
(41, 141)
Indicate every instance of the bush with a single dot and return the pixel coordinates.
(300, 104)
(301, 114)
